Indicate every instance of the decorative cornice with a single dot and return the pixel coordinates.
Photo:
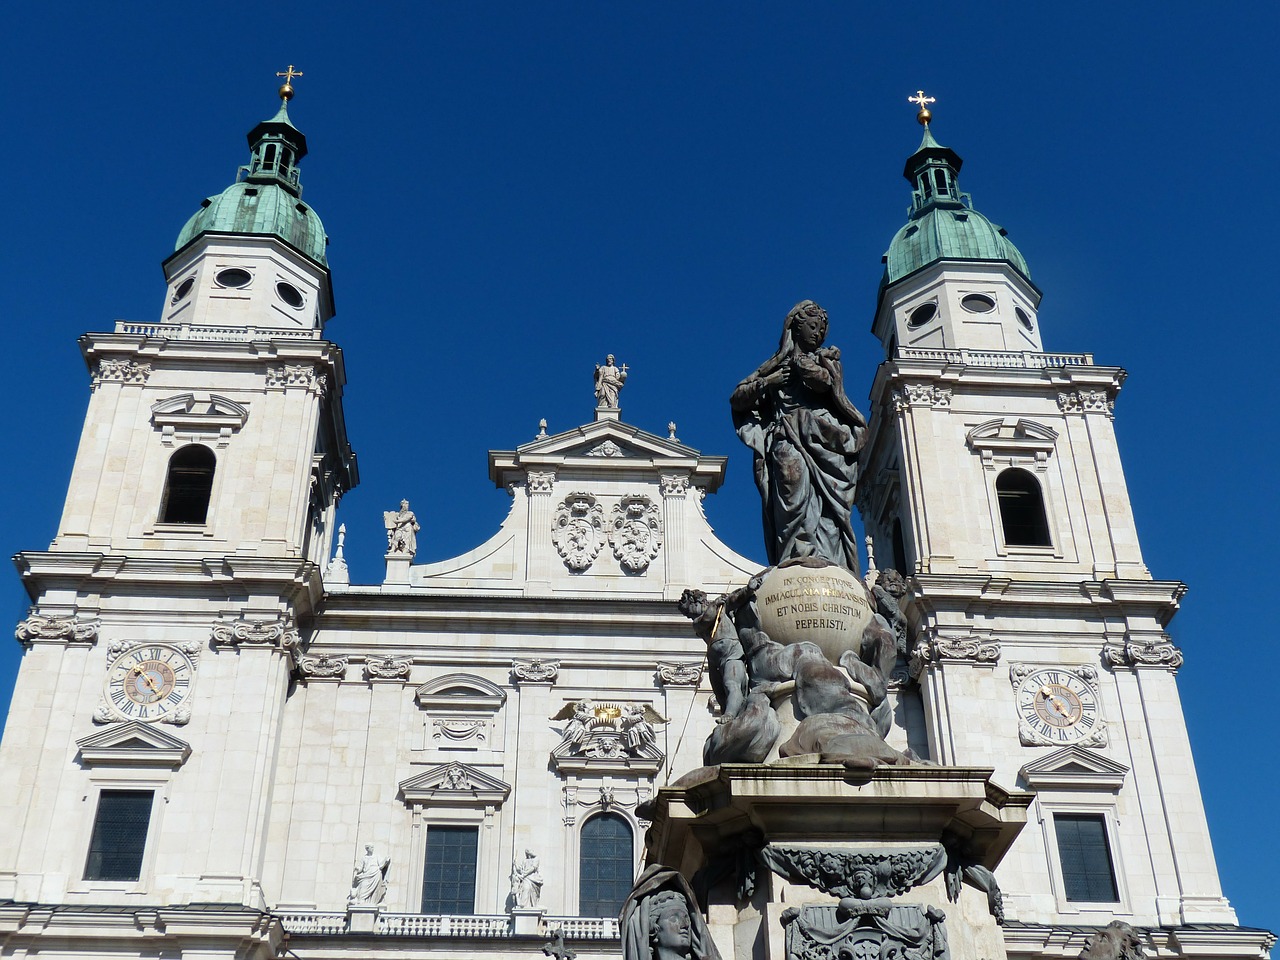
(323, 667)
(386, 668)
(120, 371)
(279, 633)
(535, 670)
(1151, 653)
(69, 629)
(1087, 401)
(682, 673)
(936, 649)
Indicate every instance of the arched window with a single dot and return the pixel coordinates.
(606, 866)
(1022, 509)
(189, 484)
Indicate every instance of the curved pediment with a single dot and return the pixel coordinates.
(199, 413)
(1011, 435)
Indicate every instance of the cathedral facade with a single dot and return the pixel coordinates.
(219, 746)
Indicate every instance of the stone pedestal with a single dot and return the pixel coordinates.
(796, 854)
(397, 570)
(527, 921)
(362, 918)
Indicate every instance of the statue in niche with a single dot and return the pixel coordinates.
(890, 587)
(526, 882)
(661, 920)
(794, 415)
(402, 530)
(369, 880)
(610, 379)
(1116, 941)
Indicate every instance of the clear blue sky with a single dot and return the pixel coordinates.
(514, 190)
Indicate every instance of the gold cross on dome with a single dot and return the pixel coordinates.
(923, 115)
(286, 88)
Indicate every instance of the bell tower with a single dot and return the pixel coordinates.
(993, 483)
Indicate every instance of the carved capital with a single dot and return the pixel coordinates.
(1151, 653)
(120, 371)
(279, 633)
(674, 486)
(919, 395)
(1087, 401)
(323, 667)
(56, 629)
(933, 648)
(682, 673)
(386, 668)
(297, 375)
(541, 482)
(535, 671)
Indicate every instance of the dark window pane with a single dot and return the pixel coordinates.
(190, 483)
(119, 835)
(606, 867)
(1022, 510)
(1087, 873)
(449, 880)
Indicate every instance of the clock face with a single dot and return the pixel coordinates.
(148, 682)
(1058, 706)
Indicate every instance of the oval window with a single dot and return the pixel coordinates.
(183, 289)
(1023, 318)
(289, 294)
(234, 277)
(978, 303)
(922, 314)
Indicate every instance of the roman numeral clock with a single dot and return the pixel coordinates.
(150, 682)
(1057, 706)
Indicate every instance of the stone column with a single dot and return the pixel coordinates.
(540, 553)
(675, 489)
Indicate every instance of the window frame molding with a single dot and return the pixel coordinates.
(121, 778)
(1009, 443)
(1084, 910)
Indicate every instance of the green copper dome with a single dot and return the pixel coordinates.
(942, 224)
(266, 199)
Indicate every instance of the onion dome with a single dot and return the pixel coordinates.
(266, 199)
(942, 224)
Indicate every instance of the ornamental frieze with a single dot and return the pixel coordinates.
(920, 394)
(1087, 401)
(636, 532)
(301, 375)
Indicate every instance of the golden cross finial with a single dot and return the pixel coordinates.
(286, 88)
(923, 116)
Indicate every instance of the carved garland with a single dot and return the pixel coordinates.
(1087, 401)
(302, 375)
(919, 394)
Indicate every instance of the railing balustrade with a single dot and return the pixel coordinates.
(316, 923)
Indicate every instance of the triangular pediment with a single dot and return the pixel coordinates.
(1075, 768)
(133, 744)
(454, 785)
(608, 439)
